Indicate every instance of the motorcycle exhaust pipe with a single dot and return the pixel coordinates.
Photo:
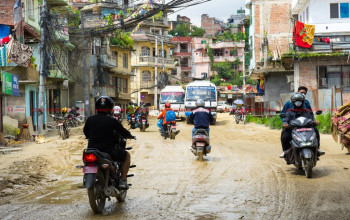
(111, 191)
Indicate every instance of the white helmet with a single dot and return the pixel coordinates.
(200, 103)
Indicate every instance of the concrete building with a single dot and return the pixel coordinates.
(183, 58)
(270, 34)
(150, 68)
(179, 20)
(235, 22)
(211, 25)
(222, 51)
(324, 68)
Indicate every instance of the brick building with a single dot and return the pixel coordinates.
(211, 25)
(179, 20)
(270, 34)
(324, 68)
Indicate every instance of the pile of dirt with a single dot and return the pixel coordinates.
(22, 174)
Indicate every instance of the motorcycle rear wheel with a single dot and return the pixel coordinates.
(95, 193)
(62, 134)
(143, 128)
(200, 155)
(173, 135)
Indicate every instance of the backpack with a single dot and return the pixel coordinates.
(170, 116)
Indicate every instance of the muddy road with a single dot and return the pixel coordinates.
(242, 178)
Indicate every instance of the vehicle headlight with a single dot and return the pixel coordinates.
(313, 137)
(297, 138)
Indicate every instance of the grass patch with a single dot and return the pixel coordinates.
(273, 123)
(325, 126)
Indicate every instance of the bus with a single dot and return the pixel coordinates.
(175, 95)
(201, 90)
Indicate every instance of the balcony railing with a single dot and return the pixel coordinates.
(169, 62)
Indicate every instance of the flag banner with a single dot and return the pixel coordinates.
(304, 34)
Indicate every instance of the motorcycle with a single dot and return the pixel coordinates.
(132, 121)
(201, 144)
(170, 130)
(143, 122)
(118, 117)
(62, 126)
(239, 115)
(72, 121)
(303, 153)
(101, 177)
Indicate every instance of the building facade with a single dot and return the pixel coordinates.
(211, 25)
(183, 58)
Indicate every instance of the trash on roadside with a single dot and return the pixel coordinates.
(39, 139)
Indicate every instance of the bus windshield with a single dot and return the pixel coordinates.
(172, 97)
(207, 93)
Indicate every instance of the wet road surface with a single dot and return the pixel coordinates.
(242, 178)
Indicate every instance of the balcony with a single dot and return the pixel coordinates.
(182, 53)
(217, 59)
(151, 61)
(186, 68)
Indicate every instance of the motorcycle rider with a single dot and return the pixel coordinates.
(298, 101)
(130, 110)
(142, 110)
(101, 130)
(117, 109)
(288, 107)
(200, 117)
(163, 116)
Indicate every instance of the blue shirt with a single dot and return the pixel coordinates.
(289, 105)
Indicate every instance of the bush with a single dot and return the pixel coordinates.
(325, 126)
(273, 123)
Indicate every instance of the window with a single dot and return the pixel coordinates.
(145, 52)
(125, 85)
(156, 31)
(344, 10)
(125, 60)
(160, 53)
(334, 10)
(115, 56)
(330, 76)
(146, 76)
(30, 8)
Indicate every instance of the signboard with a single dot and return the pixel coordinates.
(15, 85)
(10, 83)
(6, 79)
(142, 96)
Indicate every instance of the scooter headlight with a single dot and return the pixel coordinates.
(313, 137)
(297, 138)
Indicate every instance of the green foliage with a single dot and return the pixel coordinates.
(312, 54)
(229, 36)
(325, 125)
(73, 18)
(181, 30)
(109, 19)
(122, 39)
(184, 30)
(273, 122)
(9, 130)
(197, 32)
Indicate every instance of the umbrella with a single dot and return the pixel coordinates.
(238, 102)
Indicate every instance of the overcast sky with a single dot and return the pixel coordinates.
(221, 9)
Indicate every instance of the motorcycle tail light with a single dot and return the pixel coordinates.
(89, 158)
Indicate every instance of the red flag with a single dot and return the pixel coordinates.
(304, 34)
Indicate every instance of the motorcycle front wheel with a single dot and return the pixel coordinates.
(62, 134)
(96, 196)
(308, 168)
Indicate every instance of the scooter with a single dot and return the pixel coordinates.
(201, 144)
(304, 144)
(143, 122)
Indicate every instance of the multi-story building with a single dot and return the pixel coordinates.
(222, 52)
(270, 34)
(235, 22)
(323, 68)
(211, 25)
(183, 58)
(179, 20)
(150, 66)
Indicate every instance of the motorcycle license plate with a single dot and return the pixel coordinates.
(200, 144)
(60, 124)
(304, 129)
(143, 120)
(90, 169)
(133, 118)
(174, 127)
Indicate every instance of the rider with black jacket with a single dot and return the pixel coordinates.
(102, 129)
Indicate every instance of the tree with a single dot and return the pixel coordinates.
(197, 32)
(122, 39)
(181, 30)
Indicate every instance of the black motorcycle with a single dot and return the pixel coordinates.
(170, 130)
(143, 122)
(62, 126)
(101, 177)
(304, 145)
(132, 121)
(118, 117)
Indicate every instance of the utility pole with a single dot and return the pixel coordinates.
(156, 77)
(163, 60)
(244, 72)
(85, 72)
(43, 62)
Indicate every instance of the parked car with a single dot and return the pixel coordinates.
(223, 106)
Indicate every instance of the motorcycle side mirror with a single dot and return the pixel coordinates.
(283, 115)
(53, 116)
(319, 112)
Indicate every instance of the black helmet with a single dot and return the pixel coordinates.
(298, 99)
(104, 105)
(130, 103)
